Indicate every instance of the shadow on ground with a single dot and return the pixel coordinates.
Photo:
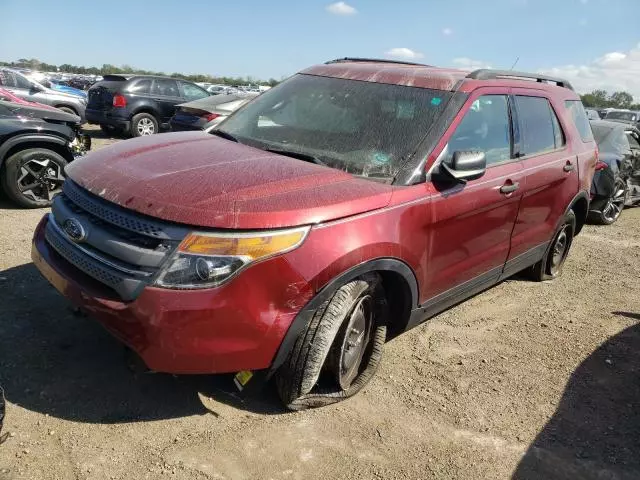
(595, 432)
(67, 366)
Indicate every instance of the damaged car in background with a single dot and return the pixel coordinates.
(616, 183)
(206, 113)
(36, 143)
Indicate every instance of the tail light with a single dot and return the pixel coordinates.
(119, 101)
(600, 166)
(210, 116)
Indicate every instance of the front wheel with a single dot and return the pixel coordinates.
(550, 266)
(32, 177)
(612, 208)
(340, 350)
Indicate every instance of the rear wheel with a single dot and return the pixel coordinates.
(339, 351)
(550, 266)
(612, 208)
(143, 124)
(32, 177)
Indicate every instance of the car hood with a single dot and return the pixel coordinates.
(199, 179)
(44, 112)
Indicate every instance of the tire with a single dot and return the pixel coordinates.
(312, 375)
(612, 207)
(68, 110)
(143, 124)
(32, 177)
(550, 266)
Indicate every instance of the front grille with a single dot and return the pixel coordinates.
(120, 248)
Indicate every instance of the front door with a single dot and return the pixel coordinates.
(551, 176)
(469, 239)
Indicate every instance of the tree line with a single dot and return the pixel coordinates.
(35, 64)
(602, 99)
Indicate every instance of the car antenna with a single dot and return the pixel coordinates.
(515, 63)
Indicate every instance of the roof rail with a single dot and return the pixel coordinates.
(489, 74)
(376, 60)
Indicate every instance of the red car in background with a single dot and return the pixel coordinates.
(7, 96)
(344, 206)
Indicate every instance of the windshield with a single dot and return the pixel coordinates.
(629, 116)
(363, 128)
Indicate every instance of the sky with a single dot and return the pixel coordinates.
(593, 43)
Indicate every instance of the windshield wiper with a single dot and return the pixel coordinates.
(299, 155)
(225, 135)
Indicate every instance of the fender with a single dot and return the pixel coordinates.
(304, 316)
(580, 195)
(29, 138)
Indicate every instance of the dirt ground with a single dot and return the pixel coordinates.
(523, 381)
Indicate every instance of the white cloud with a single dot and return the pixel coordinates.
(469, 63)
(341, 8)
(447, 31)
(612, 71)
(405, 53)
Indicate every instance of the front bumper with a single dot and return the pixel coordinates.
(238, 326)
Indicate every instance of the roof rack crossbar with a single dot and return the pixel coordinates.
(490, 74)
(376, 60)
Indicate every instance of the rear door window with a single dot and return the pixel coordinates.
(22, 82)
(536, 125)
(142, 86)
(165, 87)
(580, 119)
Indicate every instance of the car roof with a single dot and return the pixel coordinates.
(428, 76)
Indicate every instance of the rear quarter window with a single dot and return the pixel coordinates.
(579, 117)
(142, 86)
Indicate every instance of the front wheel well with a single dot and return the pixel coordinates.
(581, 209)
(399, 300)
(56, 147)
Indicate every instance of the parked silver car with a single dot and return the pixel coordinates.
(32, 91)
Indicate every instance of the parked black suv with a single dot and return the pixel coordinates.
(140, 104)
(36, 144)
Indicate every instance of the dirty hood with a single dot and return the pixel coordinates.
(202, 180)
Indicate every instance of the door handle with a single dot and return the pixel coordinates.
(509, 187)
(568, 167)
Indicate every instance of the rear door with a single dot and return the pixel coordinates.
(166, 94)
(470, 235)
(551, 175)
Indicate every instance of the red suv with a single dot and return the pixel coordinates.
(333, 212)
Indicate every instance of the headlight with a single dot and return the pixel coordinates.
(204, 260)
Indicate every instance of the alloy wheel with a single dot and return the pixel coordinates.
(615, 204)
(354, 342)
(40, 179)
(146, 126)
(559, 250)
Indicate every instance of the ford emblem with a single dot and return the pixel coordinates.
(74, 230)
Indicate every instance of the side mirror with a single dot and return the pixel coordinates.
(35, 88)
(465, 166)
